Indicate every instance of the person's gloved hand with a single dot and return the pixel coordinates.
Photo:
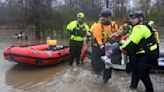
(123, 51)
(102, 50)
(120, 48)
(122, 41)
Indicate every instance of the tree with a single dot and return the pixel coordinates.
(40, 14)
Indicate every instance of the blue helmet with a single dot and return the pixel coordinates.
(105, 13)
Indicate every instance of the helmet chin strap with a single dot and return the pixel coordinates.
(106, 23)
(138, 22)
(80, 22)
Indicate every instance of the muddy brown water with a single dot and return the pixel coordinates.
(61, 78)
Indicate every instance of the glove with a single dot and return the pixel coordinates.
(120, 48)
(122, 41)
(102, 50)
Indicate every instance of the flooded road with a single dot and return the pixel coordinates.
(61, 77)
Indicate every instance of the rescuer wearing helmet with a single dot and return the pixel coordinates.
(103, 29)
(150, 24)
(78, 30)
(142, 45)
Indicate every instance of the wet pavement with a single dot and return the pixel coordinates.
(62, 78)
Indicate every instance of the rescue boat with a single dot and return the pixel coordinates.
(37, 55)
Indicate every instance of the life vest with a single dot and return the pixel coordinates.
(77, 31)
(141, 40)
(100, 33)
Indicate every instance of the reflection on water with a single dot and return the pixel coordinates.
(24, 76)
(61, 78)
(58, 78)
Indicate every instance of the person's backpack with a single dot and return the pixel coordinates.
(154, 55)
(153, 31)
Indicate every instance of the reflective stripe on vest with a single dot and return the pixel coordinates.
(77, 38)
(152, 48)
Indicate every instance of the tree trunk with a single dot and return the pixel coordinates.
(37, 31)
(107, 4)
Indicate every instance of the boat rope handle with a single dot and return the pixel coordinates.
(10, 47)
(11, 57)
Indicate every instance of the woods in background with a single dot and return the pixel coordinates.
(51, 16)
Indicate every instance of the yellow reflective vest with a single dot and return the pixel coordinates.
(74, 25)
(140, 35)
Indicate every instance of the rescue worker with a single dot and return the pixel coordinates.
(78, 30)
(142, 44)
(100, 32)
(150, 25)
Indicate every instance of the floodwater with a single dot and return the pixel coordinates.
(61, 77)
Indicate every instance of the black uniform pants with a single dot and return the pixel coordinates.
(98, 66)
(75, 51)
(140, 71)
(130, 63)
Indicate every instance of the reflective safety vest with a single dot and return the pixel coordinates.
(101, 32)
(143, 38)
(77, 31)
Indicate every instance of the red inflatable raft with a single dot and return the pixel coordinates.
(37, 55)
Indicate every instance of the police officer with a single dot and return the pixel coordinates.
(78, 31)
(142, 44)
(100, 31)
